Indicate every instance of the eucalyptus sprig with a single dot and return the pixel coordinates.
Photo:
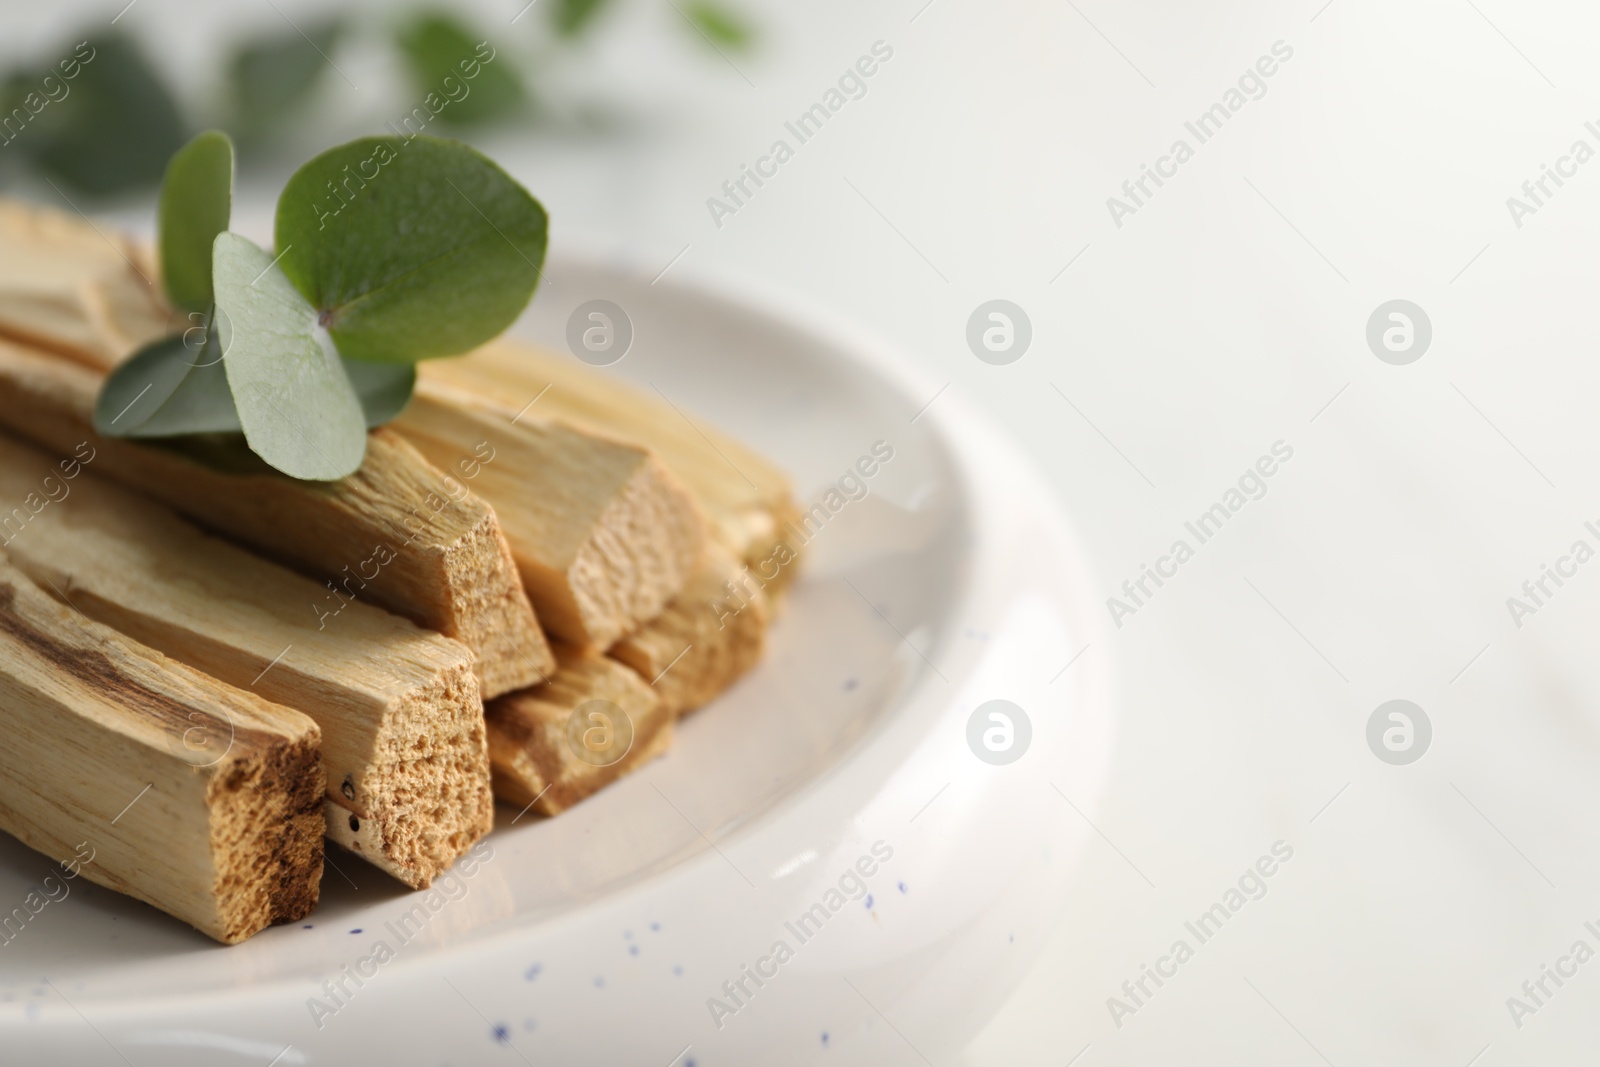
(391, 250)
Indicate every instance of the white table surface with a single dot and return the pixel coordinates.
(1227, 314)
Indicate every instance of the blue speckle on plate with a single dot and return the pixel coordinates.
(850, 684)
(533, 972)
(869, 901)
(627, 935)
(633, 950)
(824, 1039)
(529, 1025)
(599, 983)
(677, 969)
(308, 926)
(357, 930)
(502, 1033)
(655, 928)
(900, 886)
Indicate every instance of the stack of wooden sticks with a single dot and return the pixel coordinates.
(508, 600)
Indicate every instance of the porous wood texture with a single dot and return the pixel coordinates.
(603, 534)
(193, 796)
(748, 500)
(403, 741)
(711, 634)
(537, 753)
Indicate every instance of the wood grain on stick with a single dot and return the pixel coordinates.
(603, 534)
(547, 759)
(70, 288)
(398, 533)
(747, 499)
(705, 640)
(191, 795)
(90, 294)
(403, 742)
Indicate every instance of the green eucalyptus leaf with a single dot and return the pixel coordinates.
(270, 78)
(116, 125)
(721, 26)
(460, 79)
(169, 388)
(14, 90)
(383, 388)
(411, 248)
(572, 17)
(295, 402)
(196, 201)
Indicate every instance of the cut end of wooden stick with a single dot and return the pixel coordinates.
(778, 541)
(706, 639)
(453, 570)
(400, 710)
(425, 796)
(643, 551)
(490, 611)
(547, 757)
(230, 842)
(398, 533)
(747, 499)
(603, 534)
(266, 838)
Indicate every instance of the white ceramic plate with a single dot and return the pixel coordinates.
(610, 934)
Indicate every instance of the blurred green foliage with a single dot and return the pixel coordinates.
(111, 126)
(271, 77)
(721, 26)
(437, 47)
(572, 17)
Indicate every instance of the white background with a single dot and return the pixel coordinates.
(1229, 313)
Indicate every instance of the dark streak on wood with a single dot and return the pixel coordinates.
(95, 669)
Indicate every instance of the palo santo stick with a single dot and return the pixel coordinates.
(394, 532)
(747, 499)
(69, 288)
(710, 635)
(603, 534)
(403, 743)
(224, 835)
(544, 759)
